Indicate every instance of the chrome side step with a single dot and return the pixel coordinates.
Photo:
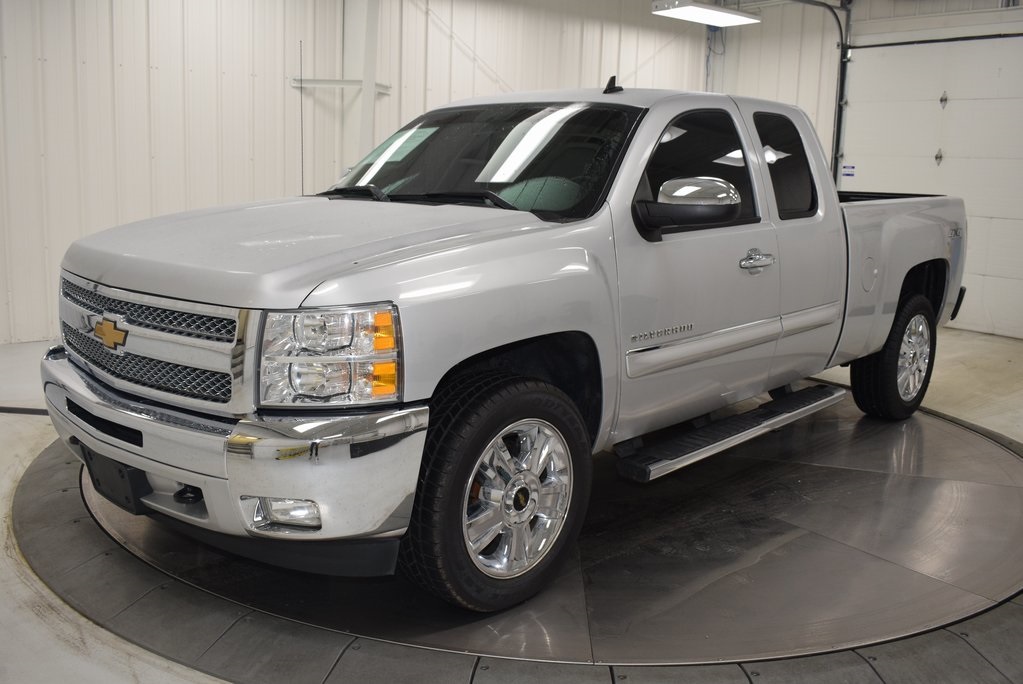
(665, 454)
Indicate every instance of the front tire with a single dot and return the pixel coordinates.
(891, 383)
(502, 492)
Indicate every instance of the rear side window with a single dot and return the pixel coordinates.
(790, 169)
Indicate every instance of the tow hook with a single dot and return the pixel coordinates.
(188, 495)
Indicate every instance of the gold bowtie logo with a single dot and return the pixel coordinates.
(109, 334)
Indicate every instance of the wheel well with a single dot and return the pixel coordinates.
(567, 360)
(928, 279)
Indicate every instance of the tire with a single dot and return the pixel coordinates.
(891, 383)
(502, 492)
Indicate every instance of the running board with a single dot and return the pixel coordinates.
(658, 457)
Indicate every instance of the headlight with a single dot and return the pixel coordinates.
(335, 356)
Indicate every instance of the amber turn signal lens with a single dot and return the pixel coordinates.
(383, 331)
(385, 378)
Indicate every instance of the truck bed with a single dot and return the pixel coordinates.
(849, 196)
(888, 234)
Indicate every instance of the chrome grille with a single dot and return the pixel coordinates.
(208, 425)
(164, 376)
(184, 323)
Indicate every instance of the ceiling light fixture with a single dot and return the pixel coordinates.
(689, 10)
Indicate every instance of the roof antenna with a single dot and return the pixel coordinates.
(612, 87)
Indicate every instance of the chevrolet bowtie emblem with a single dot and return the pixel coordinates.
(109, 334)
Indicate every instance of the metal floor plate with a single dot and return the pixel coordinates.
(833, 533)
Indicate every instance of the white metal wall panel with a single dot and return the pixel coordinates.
(271, 152)
(60, 158)
(5, 262)
(97, 139)
(24, 145)
(132, 109)
(896, 125)
(167, 97)
(236, 105)
(202, 104)
(117, 110)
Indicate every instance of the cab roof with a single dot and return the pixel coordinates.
(635, 97)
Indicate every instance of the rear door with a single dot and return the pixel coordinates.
(803, 208)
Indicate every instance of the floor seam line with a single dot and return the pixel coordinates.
(337, 660)
(144, 594)
(991, 601)
(869, 664)
(959, 636)
(221, 635)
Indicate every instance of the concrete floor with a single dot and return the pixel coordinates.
(978, 378)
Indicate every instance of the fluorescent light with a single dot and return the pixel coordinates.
(688, 10)
(772, 155)
(525, 142)
(733, 158)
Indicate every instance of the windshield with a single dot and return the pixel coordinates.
(553, 159)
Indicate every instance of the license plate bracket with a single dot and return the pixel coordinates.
(122, 485)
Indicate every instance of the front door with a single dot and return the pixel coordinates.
(699, 319)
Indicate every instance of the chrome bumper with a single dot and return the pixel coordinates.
(360, 469)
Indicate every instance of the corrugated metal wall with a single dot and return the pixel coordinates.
(116, 110)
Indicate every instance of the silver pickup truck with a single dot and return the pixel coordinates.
(413, 368)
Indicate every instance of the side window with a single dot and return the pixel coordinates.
(790, 169)
(698, 144)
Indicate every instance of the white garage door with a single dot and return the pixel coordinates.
(898, 130)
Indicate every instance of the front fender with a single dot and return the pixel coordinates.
(457, 303)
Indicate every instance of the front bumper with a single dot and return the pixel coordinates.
(361, 469)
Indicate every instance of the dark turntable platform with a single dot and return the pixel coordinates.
(839, 547)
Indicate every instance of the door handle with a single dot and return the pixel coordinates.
(756, 260)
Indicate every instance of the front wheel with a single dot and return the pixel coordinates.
(891, 383)
(502, 493)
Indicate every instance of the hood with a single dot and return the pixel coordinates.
(272, 254)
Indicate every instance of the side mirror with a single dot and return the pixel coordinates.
(687, 203)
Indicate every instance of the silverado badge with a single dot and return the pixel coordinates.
(109, 334)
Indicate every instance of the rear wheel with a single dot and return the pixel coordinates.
(891, 383)
(502, 493)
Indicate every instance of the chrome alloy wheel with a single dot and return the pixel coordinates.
(914, 357)
(516, 503)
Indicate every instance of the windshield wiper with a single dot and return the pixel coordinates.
(486, 196)
(371, 191)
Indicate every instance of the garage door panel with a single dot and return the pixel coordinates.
(990, 187)
(1004, 261)
(888, 136)
(895, 125)
(992, 305)
(965, 128)
(974, 314)
(966, 70)
(978, 243)
(892, 75)
(1002, 297)
(875, 173)
(978, 128)
(984, 69)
